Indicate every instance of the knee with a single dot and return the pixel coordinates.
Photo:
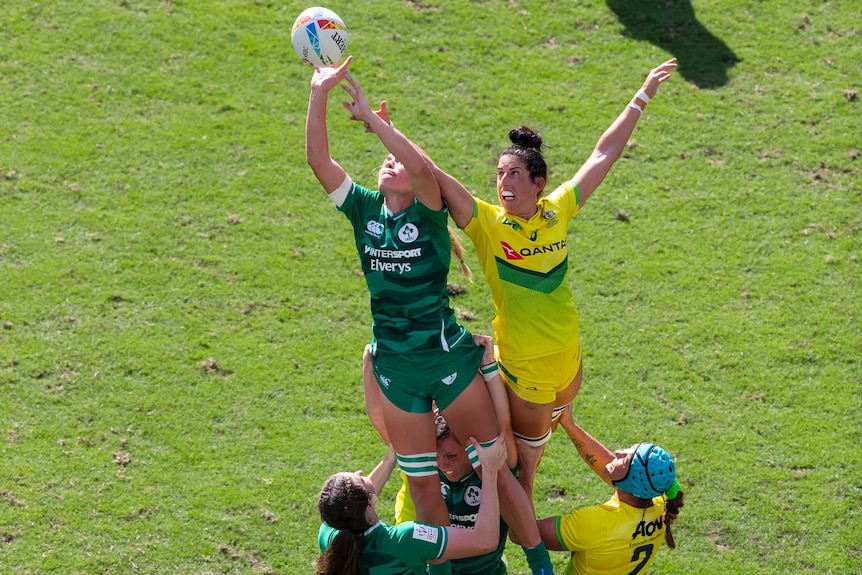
(424, 489)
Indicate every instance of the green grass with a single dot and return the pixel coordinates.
(182, 319)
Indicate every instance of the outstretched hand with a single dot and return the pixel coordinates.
(329, 77)
(359, 108)
(658, 75)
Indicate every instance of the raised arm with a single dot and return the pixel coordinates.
(594, 454)
(422, 180)
(458, 198)
(591, 450)
(328, 172)
(612, 143)
(380, 474)
(499, 397)
(485, 535)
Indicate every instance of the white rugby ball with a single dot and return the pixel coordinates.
(319, 37)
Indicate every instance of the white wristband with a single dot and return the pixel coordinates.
(636, 107)
(490, 371)
(643, 96)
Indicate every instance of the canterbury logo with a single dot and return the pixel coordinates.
(511, 254)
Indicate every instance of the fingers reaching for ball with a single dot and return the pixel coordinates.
(359, 108)
(327, 78)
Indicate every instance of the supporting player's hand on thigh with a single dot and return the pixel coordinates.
(492, 457)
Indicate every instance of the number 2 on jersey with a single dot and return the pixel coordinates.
(646, 551)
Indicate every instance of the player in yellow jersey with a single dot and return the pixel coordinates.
(623, 535)
(522, 247)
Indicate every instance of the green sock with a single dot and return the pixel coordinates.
(538, 558)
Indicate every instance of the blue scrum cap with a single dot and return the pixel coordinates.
(651, 473)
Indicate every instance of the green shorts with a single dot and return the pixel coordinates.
(412, 381)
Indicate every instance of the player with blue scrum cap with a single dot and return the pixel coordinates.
(622, 535)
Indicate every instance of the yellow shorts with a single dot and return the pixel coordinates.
(405, 509)
(539, 380)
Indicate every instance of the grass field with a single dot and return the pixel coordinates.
(182, 316)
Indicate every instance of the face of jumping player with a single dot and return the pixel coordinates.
(618, 469)
(452, 459)
(515, 190)
(392, 176)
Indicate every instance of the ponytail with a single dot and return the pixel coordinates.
(458, 253)
(343, 556)
(671, 510)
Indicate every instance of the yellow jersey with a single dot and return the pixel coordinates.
(612, 538)
(525, 264)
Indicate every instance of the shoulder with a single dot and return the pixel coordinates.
(325, 535)
(354, 199)
(484, 215)
(588, 518)
(566, 197)
(427, 213)
(481, 207)
(417, 532)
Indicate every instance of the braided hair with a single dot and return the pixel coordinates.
(342, 506)
(671, 510)
(458, 252)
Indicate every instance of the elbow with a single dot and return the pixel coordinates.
(488, 545)
(488, 540)
(316, 162)
(419, 171)
(609, 155)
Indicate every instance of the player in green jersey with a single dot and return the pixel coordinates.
(623, 535)
(460, 484)
(522, 247)
(461, 488)
(421, 353)
(354, 541)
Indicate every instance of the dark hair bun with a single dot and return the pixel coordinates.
(525, 137)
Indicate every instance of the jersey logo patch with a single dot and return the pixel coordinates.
(444, 490)
(450, 378)
(425, 533)
(510, 252)
(374, 228)
(408, 233)
(473, 496)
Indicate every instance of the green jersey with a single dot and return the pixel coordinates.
(404, 549)
(462, 500)
(405, 258)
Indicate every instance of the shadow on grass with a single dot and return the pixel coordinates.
(671, 25)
